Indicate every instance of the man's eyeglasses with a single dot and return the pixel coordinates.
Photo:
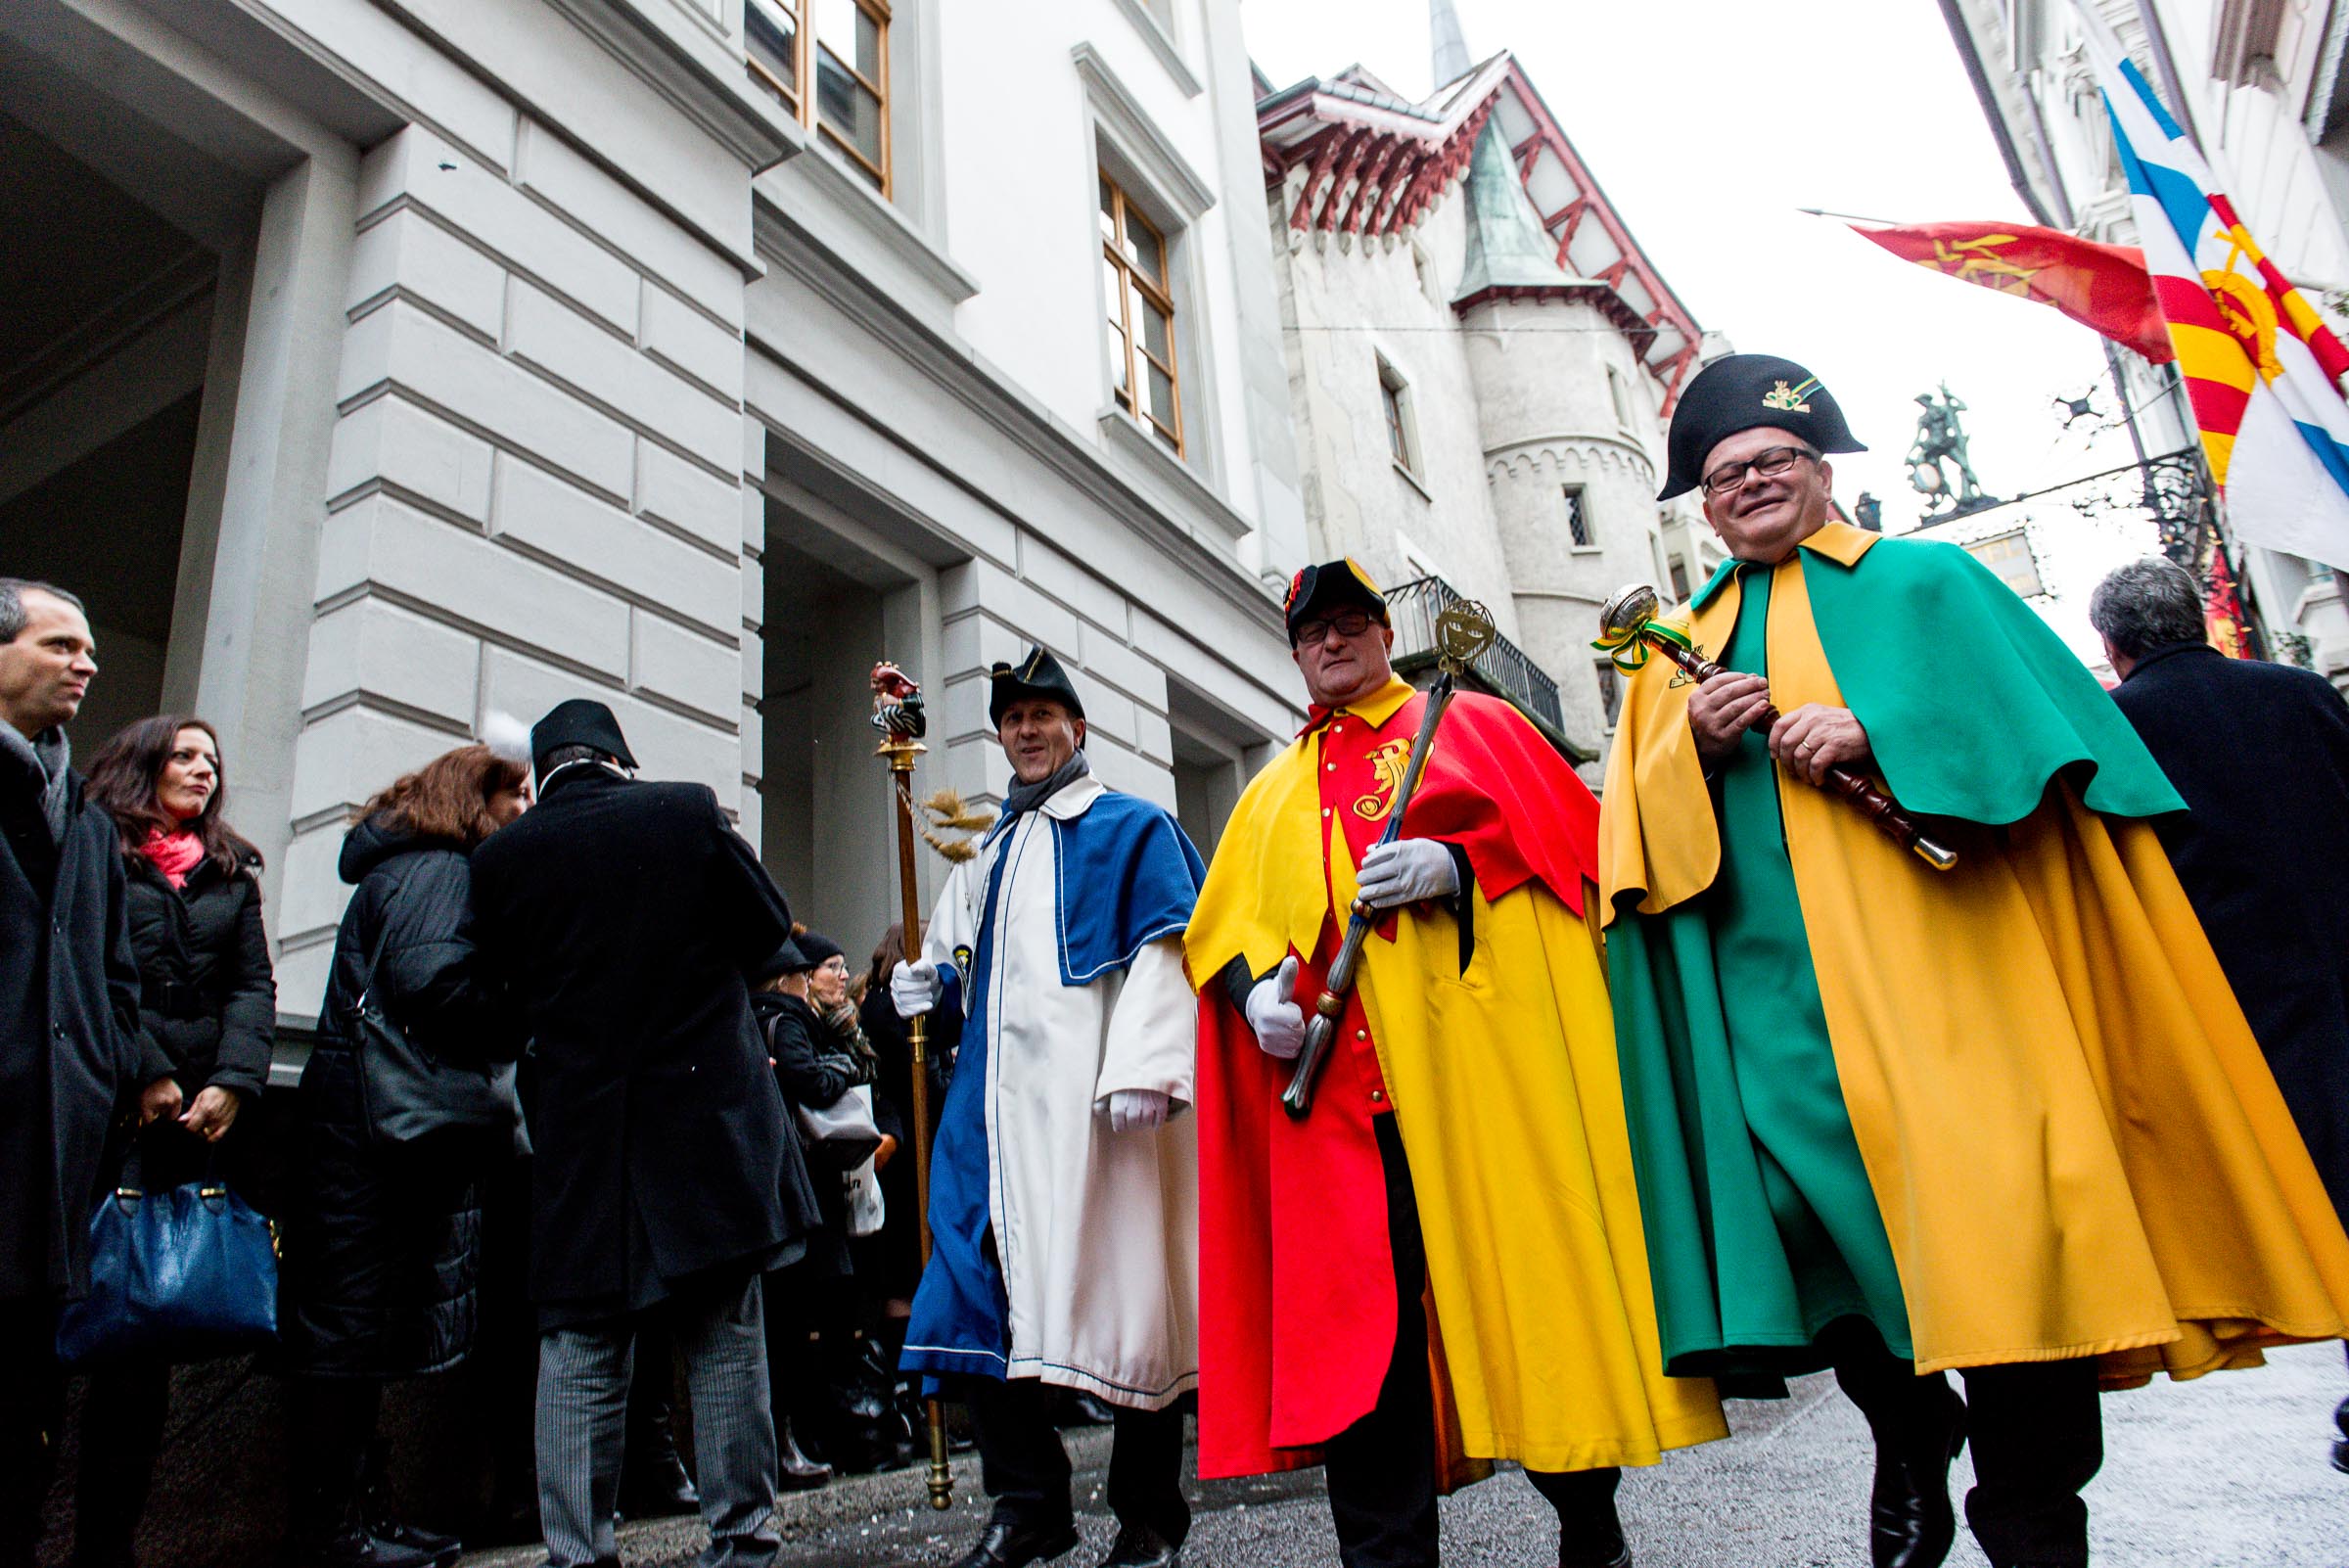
(1345, 624)
(1768, 464)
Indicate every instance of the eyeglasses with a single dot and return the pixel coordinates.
(1768, 464)
(1345, 624)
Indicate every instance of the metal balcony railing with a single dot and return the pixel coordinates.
(1503, 669)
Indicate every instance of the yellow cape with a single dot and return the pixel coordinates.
(1505, 1091)
(2074, 1141)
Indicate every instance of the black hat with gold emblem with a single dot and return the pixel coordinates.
(1746, 391)
(1317, 591)
(1037, 675)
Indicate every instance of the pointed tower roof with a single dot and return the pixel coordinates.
(1507, 246)
(1449, 43)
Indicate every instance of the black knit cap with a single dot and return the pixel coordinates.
(1747, 391)
(1331, 585)
(1037, 675)
(581, 721)
(817, 949)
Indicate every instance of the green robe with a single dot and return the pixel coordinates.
(1763, 1227)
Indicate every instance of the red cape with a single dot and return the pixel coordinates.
(1296, 1311)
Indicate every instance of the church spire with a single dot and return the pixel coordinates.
(1450, 46)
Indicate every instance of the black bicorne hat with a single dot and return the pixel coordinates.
(1746, 391)
(581, 721)
(786, 959)
(1319, 590)
(1037, 675)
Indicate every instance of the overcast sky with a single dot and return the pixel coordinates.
(1710, 123)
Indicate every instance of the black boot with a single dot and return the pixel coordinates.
(1911, 1523)
(800, 1473)
(2340, 1444)
(653, 1483)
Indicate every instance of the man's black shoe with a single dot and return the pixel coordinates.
(1005, 1544)
(357, 1548)
(1606, 1554)
(2341, 1447)
(1140, 1546)
(445, 1551)
(1911, 1523)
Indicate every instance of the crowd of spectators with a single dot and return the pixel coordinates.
(579, 1228)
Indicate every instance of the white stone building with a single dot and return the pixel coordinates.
(2262, 85)
(1482, 363)
(372, 365)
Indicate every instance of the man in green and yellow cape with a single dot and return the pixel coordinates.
(2006, 1119)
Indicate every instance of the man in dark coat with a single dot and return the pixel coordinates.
(2260, 752)
(625, 915)
(71, 1046)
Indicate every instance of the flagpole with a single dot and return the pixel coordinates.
(897, 715)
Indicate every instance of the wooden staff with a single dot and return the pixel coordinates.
(897, 715)
(1630, 618)
(1464, 631)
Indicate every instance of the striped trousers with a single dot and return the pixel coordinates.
(582, 1407)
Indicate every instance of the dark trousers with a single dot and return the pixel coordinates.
(123, 1415)
(33, 1404)
(330, 1433)
(2037, 1432)
(1381, 1471)
(1025, 1468)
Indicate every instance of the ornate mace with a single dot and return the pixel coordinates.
(897, 715)
(1629, 631)
(1464, 631)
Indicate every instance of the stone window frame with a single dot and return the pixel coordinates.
(1128, 149)
(1401, 418)
(1581, 535)
(1610, 692)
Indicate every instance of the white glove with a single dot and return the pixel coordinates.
(914, 989)
(1407, 871)
(1273, 1013)
(1134, 1110)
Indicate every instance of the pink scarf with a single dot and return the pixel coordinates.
(174, 854)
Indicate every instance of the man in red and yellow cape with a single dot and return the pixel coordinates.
(2008, 1118)
(1441, 1264)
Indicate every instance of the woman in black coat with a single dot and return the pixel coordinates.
(207, 1007)
(827, 1388)
(383, 1240)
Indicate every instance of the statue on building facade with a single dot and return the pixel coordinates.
(1940, 438)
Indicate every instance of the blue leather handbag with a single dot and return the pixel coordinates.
(175, 1275)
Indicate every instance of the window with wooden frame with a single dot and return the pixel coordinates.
(1138, 295)
(845, 52)
(1394, 400)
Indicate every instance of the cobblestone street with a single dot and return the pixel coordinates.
(2229, 1472)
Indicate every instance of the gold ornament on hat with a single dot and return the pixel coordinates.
(1787, 399)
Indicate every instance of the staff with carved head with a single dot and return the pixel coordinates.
(1063, 1193)
(2006, 1119)
(1384, 1282)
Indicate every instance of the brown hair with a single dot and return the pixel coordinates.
(888, 950)
(123, 777)
(448, 798)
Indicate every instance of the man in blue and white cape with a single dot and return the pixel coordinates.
(1064, 1193)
